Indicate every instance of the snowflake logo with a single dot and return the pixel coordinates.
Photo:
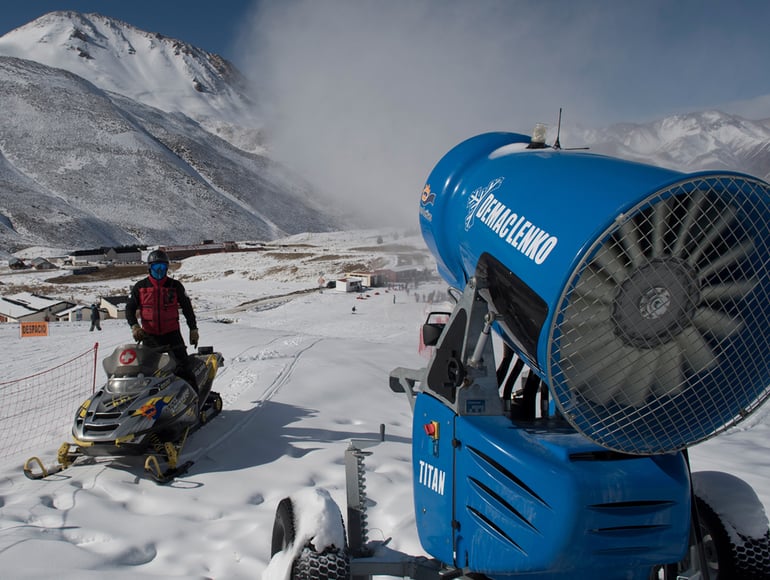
(477, 197)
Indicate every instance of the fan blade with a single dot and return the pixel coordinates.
(640, 378)
(579, 314)
(716, 230)
(585, 367)
(630, 243)
(660, 217)
(697, 353)
(594, 286)
(732, 256)
(608, 260)
(580, 340)
(727, 290)
(609, 382)
(693, 212)
(669, 378)
(717, 323)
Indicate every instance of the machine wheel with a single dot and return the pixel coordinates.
(331, 564)
(283, 527)
(309, 564)
(739, 558)
(729, 553)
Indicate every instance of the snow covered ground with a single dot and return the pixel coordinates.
(302, 376)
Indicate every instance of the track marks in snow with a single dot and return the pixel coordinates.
(285, 373)
(262, 370)
(270, 365)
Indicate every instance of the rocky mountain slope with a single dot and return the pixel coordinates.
(162, 72)
(96, 162)
(81, 167)
(690, 142)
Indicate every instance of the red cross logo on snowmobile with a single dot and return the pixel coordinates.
(127, 356)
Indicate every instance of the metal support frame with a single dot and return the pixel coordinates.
(464, 362)
(374, 558)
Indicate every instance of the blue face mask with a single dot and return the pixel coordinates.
(158, 270)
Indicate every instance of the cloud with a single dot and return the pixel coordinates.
(363, 97)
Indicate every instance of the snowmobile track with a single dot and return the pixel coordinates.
(275, 386)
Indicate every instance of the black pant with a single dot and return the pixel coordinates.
(174, 343)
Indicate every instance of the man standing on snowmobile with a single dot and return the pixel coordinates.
(158, 299)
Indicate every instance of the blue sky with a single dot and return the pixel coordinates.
(607, 60)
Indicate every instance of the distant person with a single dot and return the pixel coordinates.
(157, 300)
(95, 318)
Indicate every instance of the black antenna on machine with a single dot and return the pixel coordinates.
(557, 143)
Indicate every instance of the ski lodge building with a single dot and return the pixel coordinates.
(76, 313)
(207, 247)
(114, 306)
(28, 307)
(348, 285)
(123, 254)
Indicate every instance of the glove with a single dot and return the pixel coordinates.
(138, 333)
(194, 337)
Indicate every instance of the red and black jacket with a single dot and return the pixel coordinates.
(158, 303)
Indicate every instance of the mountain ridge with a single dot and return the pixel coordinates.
(689, 142)
(160, 71)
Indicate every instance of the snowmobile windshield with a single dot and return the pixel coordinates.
(126, 385)
(134, 359)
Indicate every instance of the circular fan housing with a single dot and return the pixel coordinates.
(660, 337)
(641, 295)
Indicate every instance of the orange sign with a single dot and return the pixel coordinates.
(34, 329)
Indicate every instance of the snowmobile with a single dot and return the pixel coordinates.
(144, 409)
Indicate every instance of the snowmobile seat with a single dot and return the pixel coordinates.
(134, 359)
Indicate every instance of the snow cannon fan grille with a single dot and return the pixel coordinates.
(660, 339)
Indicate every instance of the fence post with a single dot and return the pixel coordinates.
(93, 384)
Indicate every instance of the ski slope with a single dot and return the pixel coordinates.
(301, 378)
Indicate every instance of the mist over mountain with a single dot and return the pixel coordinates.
(111, 135)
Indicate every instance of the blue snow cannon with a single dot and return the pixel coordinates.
(631, 305)
(607, 316)
(638, 294)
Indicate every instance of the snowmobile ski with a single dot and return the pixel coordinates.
(65, 457)
(42, 471)
(161, 477)
(168, 452)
